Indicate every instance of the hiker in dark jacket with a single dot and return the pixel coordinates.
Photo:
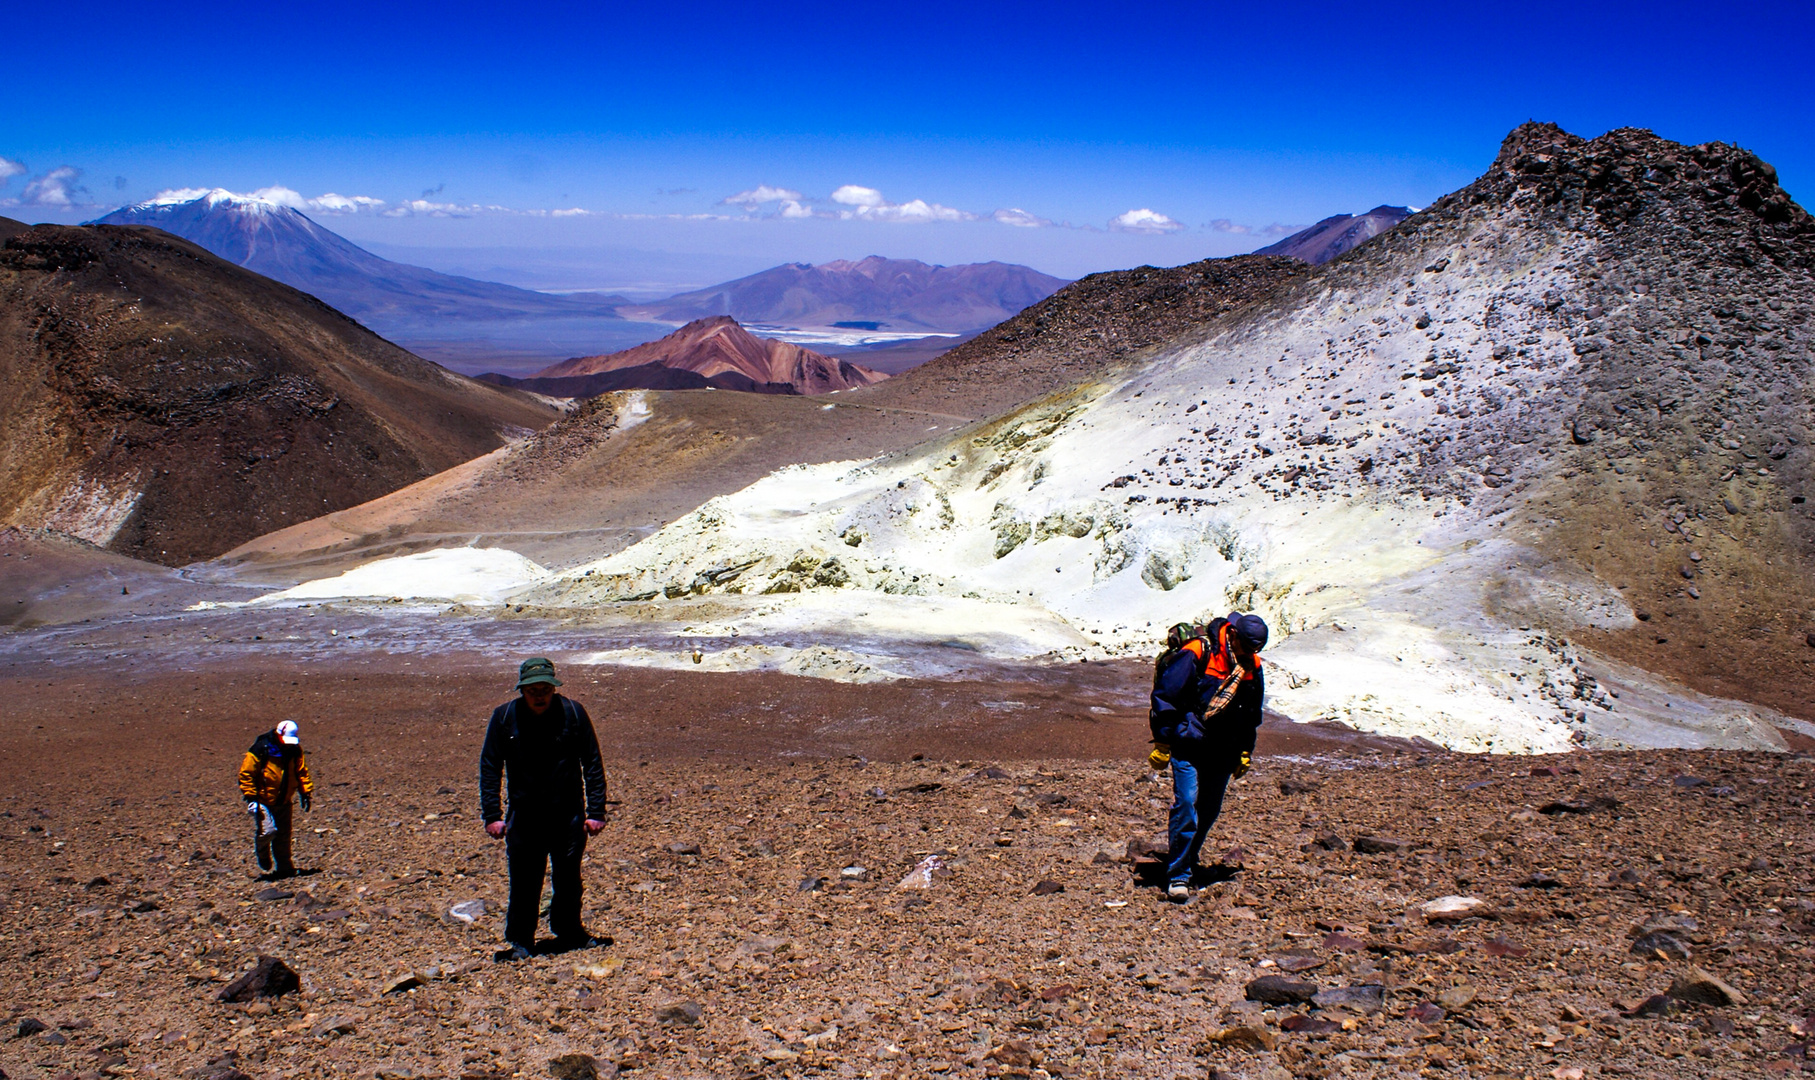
(273, 772)
(1204, 716)
(546, 745)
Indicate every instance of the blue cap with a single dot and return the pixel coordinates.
(1252, 628)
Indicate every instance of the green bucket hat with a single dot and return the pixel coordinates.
(537, 669)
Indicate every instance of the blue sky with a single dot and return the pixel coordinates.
(1070, 138)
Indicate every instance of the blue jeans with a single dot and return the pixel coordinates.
(1197, 798)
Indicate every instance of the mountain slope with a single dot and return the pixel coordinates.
(283, 243)
(722, 354)
(1079, 333)
(166, 404)
(895, 294)
(1527, 472)
(1336, 234)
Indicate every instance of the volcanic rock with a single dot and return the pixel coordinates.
(1701, 988)
(1279, 990)
(270, 978)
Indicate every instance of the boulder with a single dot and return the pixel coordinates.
(270, 978)
(1279, 990)
(1702, 988)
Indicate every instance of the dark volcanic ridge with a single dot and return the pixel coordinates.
(163, 403)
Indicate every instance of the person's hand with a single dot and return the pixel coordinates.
(306, 801)
(593, 825)
(494, 829)
(1160, 757)
(251, 807)
(1242, 766)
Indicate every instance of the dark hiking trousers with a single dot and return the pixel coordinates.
(531, 847)
(283, 815)
(1197, 799)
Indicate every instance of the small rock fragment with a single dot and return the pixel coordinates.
(1048, 888)
(467, 911)
(1456, 998)
(1381, 845)
(1014, 1053)
(1279, 990)
(1253, 1039)
(1701, 988)
(1450, 908)
(409, 980)
(574, 1067)
(1659, 943)
(685, 1013)
(29, 1026)
(924, 873)
(1426, 1012)
(270, 978)
(1362, 999)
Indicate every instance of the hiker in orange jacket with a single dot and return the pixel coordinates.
(274, 771)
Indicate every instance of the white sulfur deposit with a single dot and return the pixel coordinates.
(484, 575)
(1287, 466)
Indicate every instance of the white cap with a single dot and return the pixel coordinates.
(287, 733)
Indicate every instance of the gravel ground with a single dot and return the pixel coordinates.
(749, 942)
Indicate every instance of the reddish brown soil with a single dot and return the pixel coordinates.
(105, 773)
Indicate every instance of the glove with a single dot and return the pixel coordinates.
(1161, 756)
(253, 808)
(305, 801)
(1242, 766)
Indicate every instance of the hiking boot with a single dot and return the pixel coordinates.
(1178, 891)
(512, 954)
(582, 941)
(263, 855)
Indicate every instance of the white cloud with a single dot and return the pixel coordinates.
(10, 168)
(1020, 219)
(857, 195)
(58, 187)
(867, 204)
(1224, 225)
(1150, 222)
(760, 194)
(792, 208)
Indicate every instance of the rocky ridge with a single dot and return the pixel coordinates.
(718, 351)
(1454, 467)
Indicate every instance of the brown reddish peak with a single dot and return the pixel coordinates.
(720, 346)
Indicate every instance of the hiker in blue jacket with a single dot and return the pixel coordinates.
(1204, 716)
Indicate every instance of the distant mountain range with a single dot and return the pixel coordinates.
(708, 353)
(285, 244)
(1334, 235)
(871, 294)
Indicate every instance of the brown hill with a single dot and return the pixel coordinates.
(163, 403)
(1082, 331)
(720, 352)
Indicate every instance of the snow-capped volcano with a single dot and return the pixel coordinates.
(1491, 476)
(279, 241)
